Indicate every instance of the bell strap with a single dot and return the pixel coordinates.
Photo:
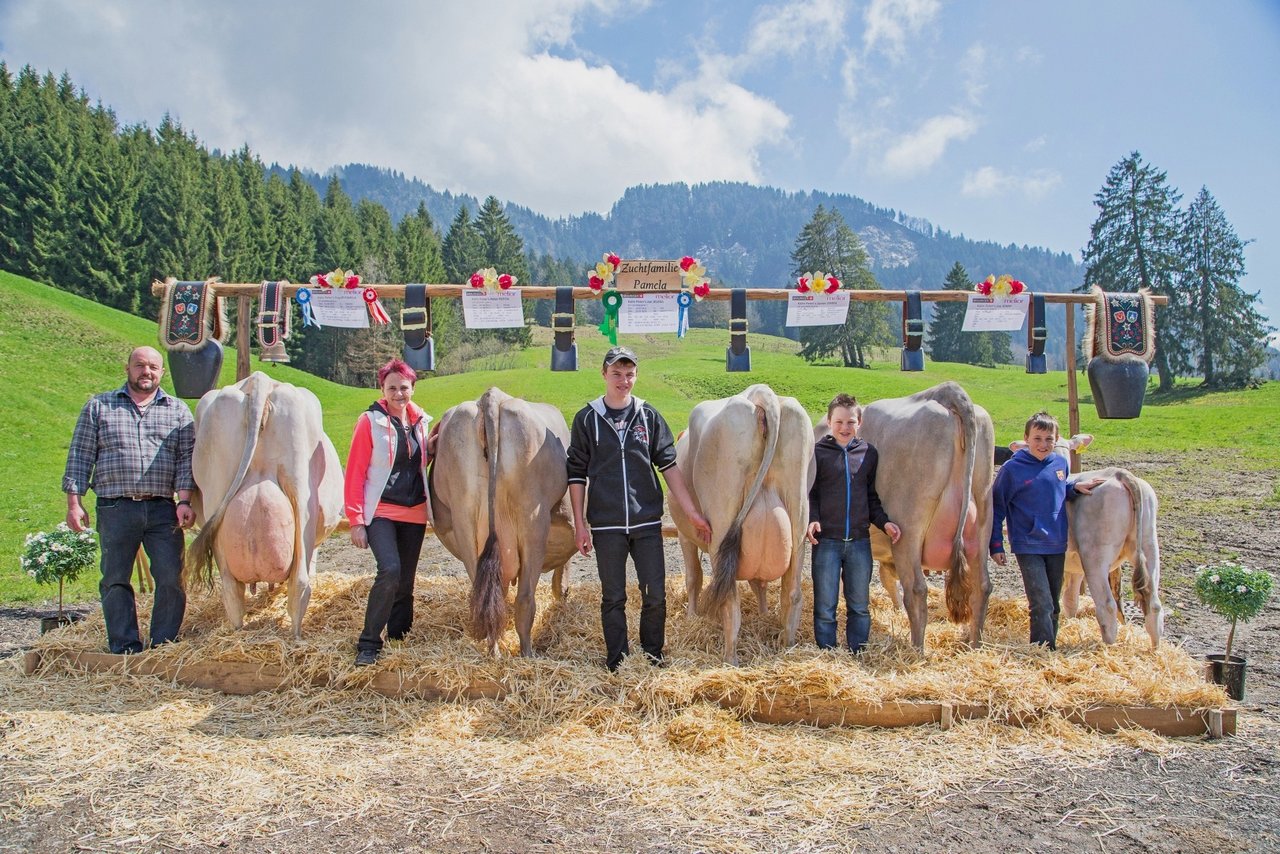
(415, 317)
(562, 320)
(1037, 332)
(738, 321)
(273, 314)
(912, 322)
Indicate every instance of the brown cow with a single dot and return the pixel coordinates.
(269, 490)
(747, 460)
(499, 505)
(936, 463)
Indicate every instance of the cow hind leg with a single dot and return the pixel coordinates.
(232, 597)
(692, 575)
(731, 618)
(1115, 591)
(1071, 587)
(1104, 603)
(526, 608)
(761, 589)
(299, 595)
(790, 601)
(979, 596)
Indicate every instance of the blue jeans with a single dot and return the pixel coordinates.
(123, 526)
(1042, 580)
(396, 547)
(847, 561)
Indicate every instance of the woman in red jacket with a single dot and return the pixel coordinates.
(386, 503)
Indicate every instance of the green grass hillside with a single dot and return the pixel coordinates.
(57, 350)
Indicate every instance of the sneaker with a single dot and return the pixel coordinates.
(365, 657)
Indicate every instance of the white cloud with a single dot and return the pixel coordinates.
(464, 95)
(917, 152)
(990, 182)
(973, 73)
(813, 27)
(890, 22)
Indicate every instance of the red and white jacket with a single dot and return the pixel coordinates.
(369, 463)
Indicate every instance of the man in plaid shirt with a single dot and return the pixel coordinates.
(132, 447)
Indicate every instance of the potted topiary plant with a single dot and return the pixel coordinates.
(61, 555)
(1238, 593)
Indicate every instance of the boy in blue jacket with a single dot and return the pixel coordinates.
(617, 445)
(1031, 492)
(843, 504)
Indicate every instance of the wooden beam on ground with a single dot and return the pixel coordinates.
(245, 677)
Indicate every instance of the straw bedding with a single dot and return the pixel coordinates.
(567, 738)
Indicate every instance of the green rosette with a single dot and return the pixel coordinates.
(609, 326)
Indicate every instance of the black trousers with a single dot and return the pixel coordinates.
(645, 548)
(396, 547)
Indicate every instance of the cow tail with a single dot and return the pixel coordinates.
(958, 580)
(1141, 575)
(488, 598)
(200, 562)
(724, 564)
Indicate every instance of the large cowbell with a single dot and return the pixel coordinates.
(196, 372)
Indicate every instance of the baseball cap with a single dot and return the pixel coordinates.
(618, 354)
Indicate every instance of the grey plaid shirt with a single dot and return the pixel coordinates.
(118, 450)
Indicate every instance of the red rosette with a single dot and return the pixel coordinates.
(505, 281)
(370, 295)
(477, 280)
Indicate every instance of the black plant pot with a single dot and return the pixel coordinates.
(1118, 387)
(48, 624)
(1228, 674)
(196, 372)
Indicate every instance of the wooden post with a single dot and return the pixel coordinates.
(243, 332)
(1073, 397)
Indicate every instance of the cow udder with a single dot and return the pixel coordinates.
(766, 540)
(256, 538)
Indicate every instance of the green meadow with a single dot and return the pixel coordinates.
(57, 350)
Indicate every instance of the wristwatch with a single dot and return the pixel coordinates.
(182, 501)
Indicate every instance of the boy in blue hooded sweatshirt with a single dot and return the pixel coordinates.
(1031, 492)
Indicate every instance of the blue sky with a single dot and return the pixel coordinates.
(996, 120)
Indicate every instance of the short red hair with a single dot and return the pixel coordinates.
(396, 366)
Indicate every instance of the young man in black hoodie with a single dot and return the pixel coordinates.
(618, 444)
(843, 504)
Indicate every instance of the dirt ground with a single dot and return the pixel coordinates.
(1190, 795)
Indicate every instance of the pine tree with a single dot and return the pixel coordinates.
(828, 244)
(949, 343)
(1229, 334)
(463, 249)
(173, 208)
(417, 249)
(1134, 244)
